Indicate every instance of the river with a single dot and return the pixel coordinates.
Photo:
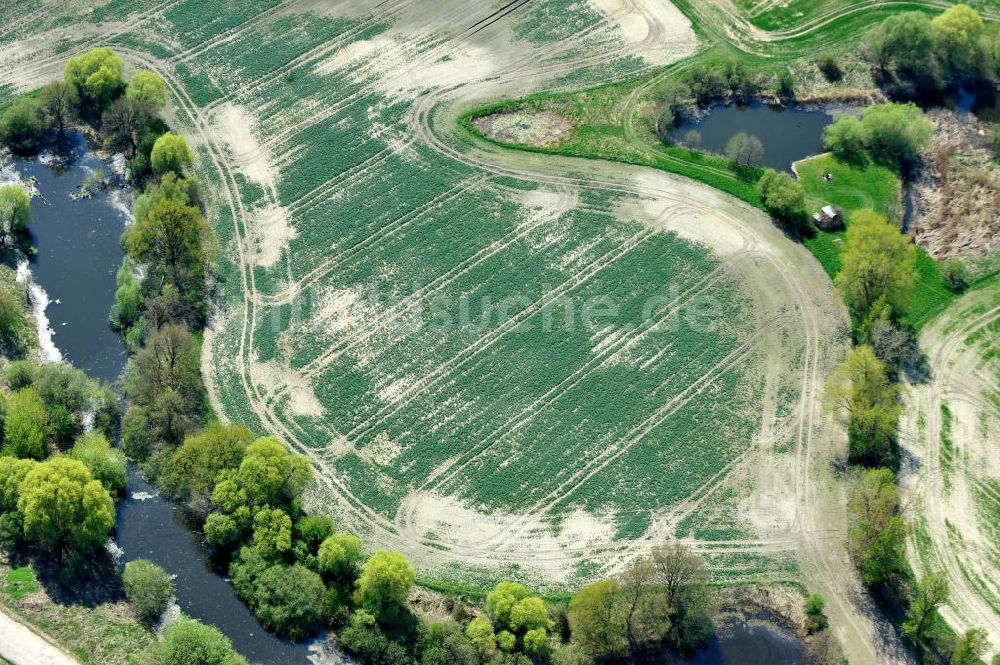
(74, 286)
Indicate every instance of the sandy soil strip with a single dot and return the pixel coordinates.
(21, 646)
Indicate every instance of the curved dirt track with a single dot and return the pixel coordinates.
(951, 432)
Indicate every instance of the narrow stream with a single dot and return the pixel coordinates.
(78, 255)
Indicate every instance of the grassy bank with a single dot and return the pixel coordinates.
(867, 185)
(93, 628)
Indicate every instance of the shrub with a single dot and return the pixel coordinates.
(19, 374)
(955, 274)
(21, 125)
(15, 211)
(64, 507)
(384, 583)
(783, 197)
(26, 426)
(189, 642)
(170, 154)
(105, 463)
(148, 588)
(829, 67)
(290, 600)
(815, 619)
(136, 442)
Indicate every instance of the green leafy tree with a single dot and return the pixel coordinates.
(675, 96)
(290, 600)
(148, 589)
(128, 299)
(364, 637)
(339, 556)
(12, 473)
(136, 442)
(958, 34)
(644, 608)
(895, 133)
(107, 407)
(195, 466)
(932, 593)
(272, 532)
(98, 76)
(26, 426)
(845, 137)
(147, 87)
(860, 389)
(597, 621)
(783, 197)
(221, 531)
(190, 642)
(105, 463)
(385, 581)
(903, 48)
(877, 262)
(124, 124)
(877, 537)
(58, 102)
(67, 393)
(444, 643)
(170, 154)
(15, 211)
(744, 149)
(170, 233)
(312, 530)
(685, 581)
(164, 379)
(14, 325)
(501, 601)
(707, 82)
(971, 648)
(480, 632)
(21, 125)
(64, 507)
(268, 476)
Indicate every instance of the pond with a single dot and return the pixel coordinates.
(73, 286)
(740, 643)
(788, 134)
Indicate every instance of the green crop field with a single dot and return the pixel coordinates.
(500, 373)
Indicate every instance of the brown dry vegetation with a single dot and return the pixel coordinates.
(958, 192)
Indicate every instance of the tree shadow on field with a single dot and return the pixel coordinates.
(88, 583)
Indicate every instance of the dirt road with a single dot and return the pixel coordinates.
(21, 646)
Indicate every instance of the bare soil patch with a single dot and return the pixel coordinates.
(525, 127)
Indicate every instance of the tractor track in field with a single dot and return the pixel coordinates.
(945, 495)
(442, 475)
